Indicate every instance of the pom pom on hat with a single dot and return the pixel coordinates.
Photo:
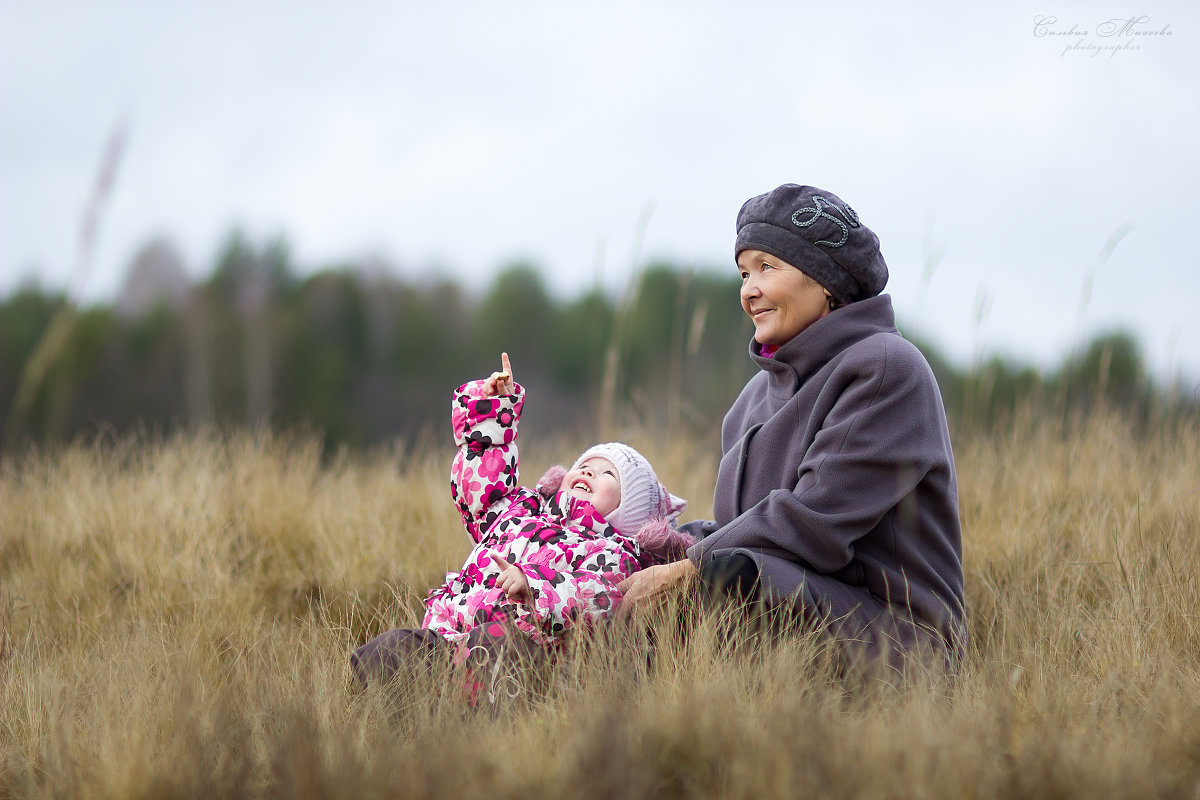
(550, 483)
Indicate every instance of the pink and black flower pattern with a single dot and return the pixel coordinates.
(571, 557)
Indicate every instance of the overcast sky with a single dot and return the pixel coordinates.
(997, 165)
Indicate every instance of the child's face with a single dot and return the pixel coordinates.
(595, 480)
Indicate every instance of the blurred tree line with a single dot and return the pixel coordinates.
(364, 356)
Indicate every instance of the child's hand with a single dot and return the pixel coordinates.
(499, 383)
(512, 580)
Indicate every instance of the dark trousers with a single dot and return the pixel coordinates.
(388, 654)
(878, 643)
(735, 577)
(493, 661)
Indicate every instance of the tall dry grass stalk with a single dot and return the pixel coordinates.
(176, 618)
(36, 374)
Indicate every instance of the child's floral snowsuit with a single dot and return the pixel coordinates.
(572, 559)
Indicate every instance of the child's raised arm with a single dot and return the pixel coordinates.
(484, 415)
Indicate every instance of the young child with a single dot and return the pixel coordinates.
(544, 560)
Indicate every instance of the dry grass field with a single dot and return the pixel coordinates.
(175, 619)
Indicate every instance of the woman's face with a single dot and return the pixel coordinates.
(779, 298)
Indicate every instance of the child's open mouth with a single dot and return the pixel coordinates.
(581, 484)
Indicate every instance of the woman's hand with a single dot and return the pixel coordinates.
(513, 581)
(499, 383)
(650, 586)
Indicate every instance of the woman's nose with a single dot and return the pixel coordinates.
(749, 288)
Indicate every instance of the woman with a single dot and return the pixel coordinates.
(836, 494)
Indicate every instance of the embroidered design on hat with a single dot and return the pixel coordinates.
(820, 213)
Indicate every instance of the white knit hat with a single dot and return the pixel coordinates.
(643, 498)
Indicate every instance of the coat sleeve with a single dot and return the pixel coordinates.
(883, 434)
(484, 473)
(699, 528)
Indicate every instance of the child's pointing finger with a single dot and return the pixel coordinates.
(511, 579)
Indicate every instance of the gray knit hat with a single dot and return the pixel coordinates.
(643, 498)
(819, 234)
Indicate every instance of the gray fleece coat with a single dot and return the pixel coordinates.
(838, 479)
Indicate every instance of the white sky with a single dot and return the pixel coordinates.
(461, 137)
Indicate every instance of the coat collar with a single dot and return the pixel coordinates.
(580, 512)
(811, 349)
